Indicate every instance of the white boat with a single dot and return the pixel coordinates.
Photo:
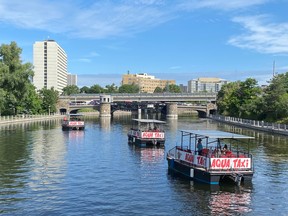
(73, 122)
(215, 165)
(146, 132)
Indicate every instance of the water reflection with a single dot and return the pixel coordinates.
(203, 199)
(105, 123)
(233, 201)
(148, 155)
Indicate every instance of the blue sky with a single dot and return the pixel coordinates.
(171, 39)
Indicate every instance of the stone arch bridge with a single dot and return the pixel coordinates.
(172, 110)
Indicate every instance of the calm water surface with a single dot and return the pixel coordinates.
(47, 171)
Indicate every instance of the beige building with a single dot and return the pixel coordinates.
(71, 79)
(206, 84)
(146, 83)
(50, 65)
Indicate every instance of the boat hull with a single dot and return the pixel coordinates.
(67, 127)
(144, 142)
(208, 177)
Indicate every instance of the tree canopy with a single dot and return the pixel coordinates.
(247, 100)
(17, 91)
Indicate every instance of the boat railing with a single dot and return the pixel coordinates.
(213, 161)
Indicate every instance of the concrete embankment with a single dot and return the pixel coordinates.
(253, 124)
(27, 118)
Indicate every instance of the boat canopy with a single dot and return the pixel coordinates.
(216, 134)
(149, 121)
(74, 114)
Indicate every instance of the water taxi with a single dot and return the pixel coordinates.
(212, 164)
(146, 132)
(73, 122)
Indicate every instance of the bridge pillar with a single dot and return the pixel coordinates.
(105, 110)
(105, 106)
(172, 111)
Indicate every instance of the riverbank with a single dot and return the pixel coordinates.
(34, 118)
(253, 124)
(27, 118)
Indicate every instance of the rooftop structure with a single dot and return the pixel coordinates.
(146, 83)
(206, 84)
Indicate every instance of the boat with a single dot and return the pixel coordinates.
(213, 165)
(146, 132)
(73, 122)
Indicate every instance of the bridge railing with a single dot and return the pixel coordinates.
(141, 96)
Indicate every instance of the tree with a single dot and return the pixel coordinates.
(226, 100)
(111, 88)
(174, 88)
(158, 90)
(126, 88)
(96, 89)
(275, 98)
(240, 99)
(15, 80)
(85, 89)
(70, 89)
(49, 98)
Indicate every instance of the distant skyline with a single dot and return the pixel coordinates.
(180, 40)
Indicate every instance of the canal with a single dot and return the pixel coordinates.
(47, 171)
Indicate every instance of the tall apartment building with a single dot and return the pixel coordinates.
(71, 79)
(206, 84)
(50, 65)
(146, 83)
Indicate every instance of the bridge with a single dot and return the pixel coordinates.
(167, 97)
(165, 102)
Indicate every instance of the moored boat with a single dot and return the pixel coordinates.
(73, 122)
(213, 164)
(146, 132)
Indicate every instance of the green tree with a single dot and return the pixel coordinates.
(129, 88)
(70, 89)
(275, 98)
(14, 80)
(158, 90)
(111, 88)
(226, 99)
(174, 88)
(96, 89)
(50, 98)
(85, 89)
(240, 99)
(247, 94)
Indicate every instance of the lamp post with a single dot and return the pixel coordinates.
(49, 110)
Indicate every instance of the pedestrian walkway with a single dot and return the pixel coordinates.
(253, 124)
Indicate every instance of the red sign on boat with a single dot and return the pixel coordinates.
(74, 123)
(152, 135)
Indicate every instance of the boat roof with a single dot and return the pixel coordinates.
(216, 134)
(149, 121)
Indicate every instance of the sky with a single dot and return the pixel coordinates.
(170, 39)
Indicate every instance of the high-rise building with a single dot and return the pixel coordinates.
(71, 79)
(146, 83)
(50, 65)
(206, 84)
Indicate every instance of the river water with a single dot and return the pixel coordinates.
(47, 171)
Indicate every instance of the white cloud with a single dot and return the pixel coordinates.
(220, 4)
(261, 36)
(84, 60)
(175, 67)
(102, 19)
(85, 20)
